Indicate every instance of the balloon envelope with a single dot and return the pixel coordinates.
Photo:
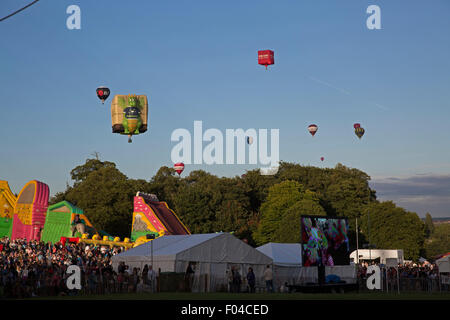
(322, 158)
(356, 125)
(179, 167)
(129, 114)
(359, 132)
(312, 129)
(266, 57)
(103, 93)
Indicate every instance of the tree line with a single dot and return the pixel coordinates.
(257, 208)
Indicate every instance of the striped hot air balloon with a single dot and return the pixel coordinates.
(179, 167)
(312, 128)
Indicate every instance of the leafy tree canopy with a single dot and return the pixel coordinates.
(392, 227)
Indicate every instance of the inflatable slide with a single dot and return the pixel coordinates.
(59, 222)
(7, 204)
(151, 216)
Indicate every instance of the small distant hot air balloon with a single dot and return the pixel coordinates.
(179, 167)
(103, 93)
(249, 140)
(266, 57)
(312, 129)
(359, 132)
(356, 125)
(322, 158)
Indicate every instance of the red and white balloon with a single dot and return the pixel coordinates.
(179, 167)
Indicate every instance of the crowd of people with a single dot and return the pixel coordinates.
(412, 276)
(32, 268)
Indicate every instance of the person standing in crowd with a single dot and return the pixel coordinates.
(237, 281)
(268, 277)
(251, 280)
(188, 278)
(230, 279)
(151, 276)
(145, 274)
(78, 225)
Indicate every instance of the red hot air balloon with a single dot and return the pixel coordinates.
(103, 93)
(179, 167)
(266, 57)
(312, 129)
(356, 126)
(322, 158)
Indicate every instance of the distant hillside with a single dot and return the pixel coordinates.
(440, 220)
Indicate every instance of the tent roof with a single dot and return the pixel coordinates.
(169, 245)
(283, 254)
(209, 247)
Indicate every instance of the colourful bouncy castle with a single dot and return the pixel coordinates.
(59, 220)
(7, 203)
(28, 216)
(30, 210)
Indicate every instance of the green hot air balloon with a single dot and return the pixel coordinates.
(129, 115)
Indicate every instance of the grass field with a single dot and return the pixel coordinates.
(259, 296)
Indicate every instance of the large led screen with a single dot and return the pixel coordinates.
(325, 241)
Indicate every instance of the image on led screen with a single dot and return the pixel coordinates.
(324, 241)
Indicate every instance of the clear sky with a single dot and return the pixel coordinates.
(197, 60)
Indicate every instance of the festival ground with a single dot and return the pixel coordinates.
(257, 296)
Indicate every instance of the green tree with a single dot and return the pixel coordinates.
(429, 226)
(80, 173)
(289, 229)
(105, 195)
(439, 241)
(285, 203)
(392, 227)
(166, 185)
(197, 201)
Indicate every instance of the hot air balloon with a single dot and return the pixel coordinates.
(266, 57)
(103, 93)
(312, 129)
(179, 167)
(129, 114)
(249, 140)
(359, 132)
(322, 158)
(356, 125)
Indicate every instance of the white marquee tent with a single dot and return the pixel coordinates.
(287, 264)
(212, 254)
(443, 264)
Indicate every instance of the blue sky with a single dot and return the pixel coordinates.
(197, 60)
